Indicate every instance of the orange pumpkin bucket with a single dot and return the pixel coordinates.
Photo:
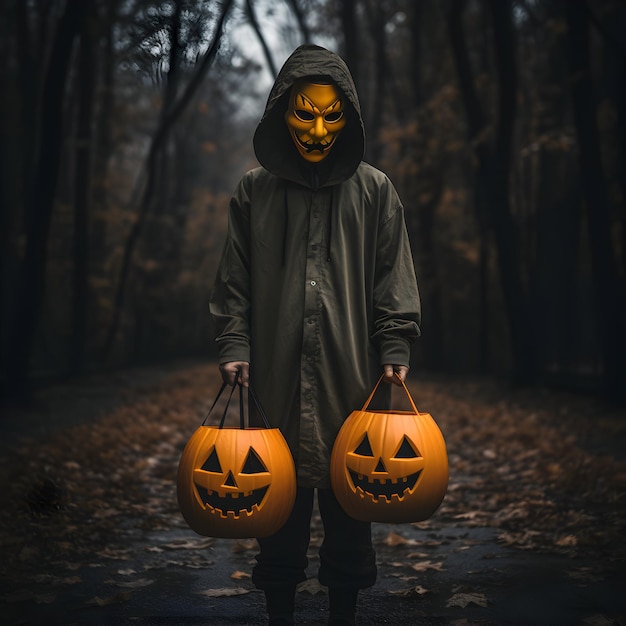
(389, 466)
(236, 482)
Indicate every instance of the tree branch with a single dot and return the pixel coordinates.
(306, 31)
(168, 121)
(259, 34)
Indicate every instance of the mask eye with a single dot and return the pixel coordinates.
(406, 450)
(212, 464)
(364, 448)
(253, 464)
(334, 116)
(305, 116)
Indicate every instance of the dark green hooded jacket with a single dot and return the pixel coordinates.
(316, 286)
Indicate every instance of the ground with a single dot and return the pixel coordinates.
(531, 529)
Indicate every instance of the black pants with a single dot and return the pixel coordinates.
(347, 558)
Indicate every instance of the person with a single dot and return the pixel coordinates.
(314, 294)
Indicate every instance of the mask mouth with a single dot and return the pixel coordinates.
(311, 146)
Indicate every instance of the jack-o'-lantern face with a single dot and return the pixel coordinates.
(388, 470)
(315, 117)
(236, 482)
(236, 486)
(389, 466)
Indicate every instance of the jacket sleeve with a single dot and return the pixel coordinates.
(397, 311)
(230, 299)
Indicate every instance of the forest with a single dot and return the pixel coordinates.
(126, 124)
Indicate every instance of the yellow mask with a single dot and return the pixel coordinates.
(315, 117)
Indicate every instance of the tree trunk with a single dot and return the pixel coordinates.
(40, 203)
(423, 193)
(351, 43)
(82, 194)
(12, 148)
(515, 292)
(492, 173)
(103, 143)
(609, 292)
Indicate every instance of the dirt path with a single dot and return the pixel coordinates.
(531, 530)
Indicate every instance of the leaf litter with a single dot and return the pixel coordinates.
(224, 592)
(521, 461)
(463, 600)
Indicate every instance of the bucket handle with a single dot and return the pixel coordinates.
(255, 398)
(368, 401)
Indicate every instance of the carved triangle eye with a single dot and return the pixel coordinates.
(364, 448)
(407, 450)
(212, 464)
(253, 464)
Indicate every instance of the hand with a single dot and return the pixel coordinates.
(236, 372)
(392, 370)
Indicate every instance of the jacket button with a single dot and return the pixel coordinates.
(313, 283)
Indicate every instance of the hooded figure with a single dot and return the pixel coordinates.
(316, 290)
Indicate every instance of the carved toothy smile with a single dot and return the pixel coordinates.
(384, 487)
(232, 502)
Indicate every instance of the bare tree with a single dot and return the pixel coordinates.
(259, 33)
(41, 201)
(492, 174)
(609, 293)
(300, 18)
(83, 186)
(168, 120)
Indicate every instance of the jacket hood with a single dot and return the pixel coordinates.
(274, 147)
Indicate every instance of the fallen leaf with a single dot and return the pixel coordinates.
(463, 600)
(312, 586)
(244, 545)
(73, 566)
(403, 577)
(224, 592)
(568, 541)
(394, 539)
(411, 591)
(136, 584)
(416, 555)
(110, 553)
(239, 575)
(426, 565)
(471, 515)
